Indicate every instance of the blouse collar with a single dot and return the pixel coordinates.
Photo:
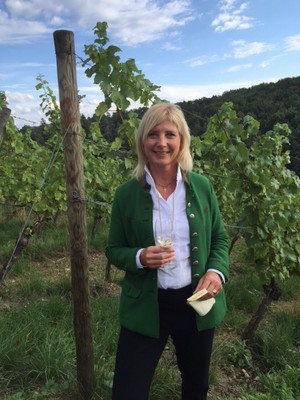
(150, 180)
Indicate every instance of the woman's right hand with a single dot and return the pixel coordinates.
(156, 256)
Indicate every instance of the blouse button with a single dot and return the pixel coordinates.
(192, 216)
(196, 262)
(194, 249)
(189, 204)
(194, 234)
(196, 276)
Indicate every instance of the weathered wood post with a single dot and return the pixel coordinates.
(70, 123)
(4, 116)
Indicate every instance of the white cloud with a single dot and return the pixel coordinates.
(131, 21)
(147, 21)
(5, 76)
(232, 17)
(266, 63)
(243, 49)
(56, 21)
(178, 93)
(292, 43)
(171, 47)
(25, 65)
(31, 9)
(237, 68)
(25, 108)
(16, 31)
(202, 60)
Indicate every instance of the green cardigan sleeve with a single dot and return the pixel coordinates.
(130, 226)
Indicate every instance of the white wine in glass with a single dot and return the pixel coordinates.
(164, 236)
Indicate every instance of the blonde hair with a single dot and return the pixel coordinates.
(155, 115)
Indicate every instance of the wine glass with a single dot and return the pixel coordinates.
(164, 236)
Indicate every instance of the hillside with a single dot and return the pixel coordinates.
(269, 103)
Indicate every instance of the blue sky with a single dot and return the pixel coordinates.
(191, 48)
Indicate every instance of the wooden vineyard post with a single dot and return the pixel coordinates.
(70, 123)
(4, 116)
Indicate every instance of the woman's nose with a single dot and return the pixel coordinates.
(161, 140)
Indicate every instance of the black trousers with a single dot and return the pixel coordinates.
(138, 355)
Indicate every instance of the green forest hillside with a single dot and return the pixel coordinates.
(269, 103)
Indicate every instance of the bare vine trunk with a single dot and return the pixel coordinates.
(20, 245)
(107, 276)
(272, 292)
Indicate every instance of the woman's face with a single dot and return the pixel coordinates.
(162, 145)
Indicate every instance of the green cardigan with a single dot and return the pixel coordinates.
(131, 229)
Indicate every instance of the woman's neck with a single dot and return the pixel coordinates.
(164, 179)
(163, 176)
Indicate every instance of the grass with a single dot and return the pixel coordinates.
(37, 350)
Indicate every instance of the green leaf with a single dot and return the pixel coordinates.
(116, 144)
(101, 109)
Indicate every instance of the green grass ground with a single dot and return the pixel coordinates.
(37, 350)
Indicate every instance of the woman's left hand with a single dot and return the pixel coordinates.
(212, 282)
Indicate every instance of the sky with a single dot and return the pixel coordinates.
(190, 48)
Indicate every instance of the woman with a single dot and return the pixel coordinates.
(158, 280)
